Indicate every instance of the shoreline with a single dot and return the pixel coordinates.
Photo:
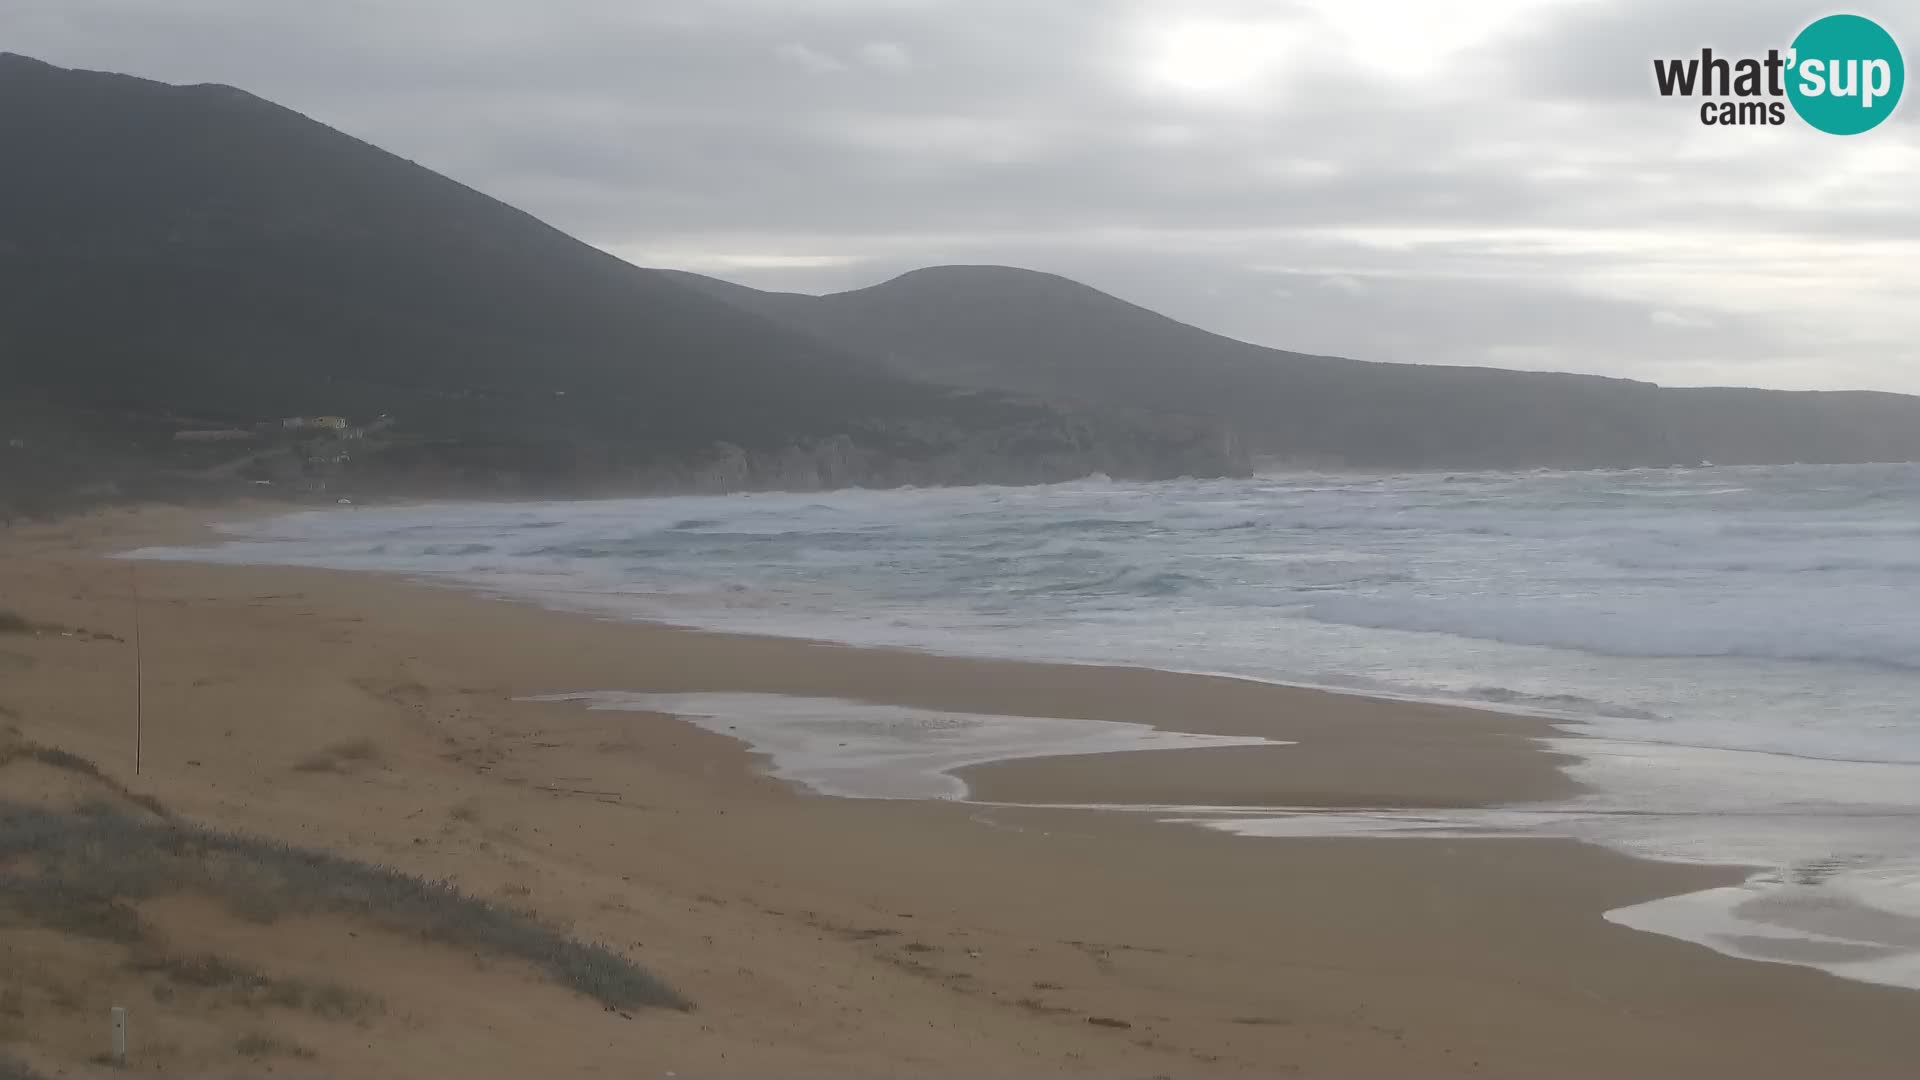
(1333, 706)
(1567, 725)
(546, 598)
(787, 917)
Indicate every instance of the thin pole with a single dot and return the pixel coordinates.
(139, 681)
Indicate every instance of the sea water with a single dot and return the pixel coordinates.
(1733, 654)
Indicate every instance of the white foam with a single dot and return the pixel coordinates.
(1862, 925)
(1865, 623)
(1856, 921)
(1836, 843)
(1305, 823)
(860, 750)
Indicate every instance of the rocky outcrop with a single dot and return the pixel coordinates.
(1031, 458)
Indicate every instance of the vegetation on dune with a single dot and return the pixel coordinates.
(260, 1045)
(16, 749)
(209, 972)
(84, 873)
(13, 1069)
(87, 870)
(54, 756)
(340, 757)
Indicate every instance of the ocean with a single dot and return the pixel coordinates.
(1733, 654)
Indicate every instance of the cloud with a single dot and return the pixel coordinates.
(889, 55)
(1380, 178)
(1678, 320)
(808, 58)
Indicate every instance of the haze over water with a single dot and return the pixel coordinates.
(1743, 643)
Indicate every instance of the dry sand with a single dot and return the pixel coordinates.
(825, 936)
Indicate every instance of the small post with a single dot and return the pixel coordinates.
(120, 1036)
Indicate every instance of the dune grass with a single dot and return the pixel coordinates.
(208, 972)
(57, 758)
(340, 757)
(259, 1044)
(87, 869)
(58, 905)
(14, 1069)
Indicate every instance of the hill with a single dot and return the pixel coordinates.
(182, 267)
(1040, 334)
(196, 258)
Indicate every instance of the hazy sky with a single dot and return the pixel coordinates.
(1492, 182)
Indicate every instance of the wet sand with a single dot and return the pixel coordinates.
(822, 935)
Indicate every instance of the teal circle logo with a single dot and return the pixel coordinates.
(1846, 74)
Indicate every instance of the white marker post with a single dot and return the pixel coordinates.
(120, 1036)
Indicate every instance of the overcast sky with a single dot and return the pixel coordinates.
(1490, 182)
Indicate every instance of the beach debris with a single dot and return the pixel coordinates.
(118, 1018)
(1108, 1021)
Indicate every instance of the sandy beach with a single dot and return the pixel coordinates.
(822, 936)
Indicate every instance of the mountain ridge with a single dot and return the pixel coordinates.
(185, 256)
(1043, 334)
